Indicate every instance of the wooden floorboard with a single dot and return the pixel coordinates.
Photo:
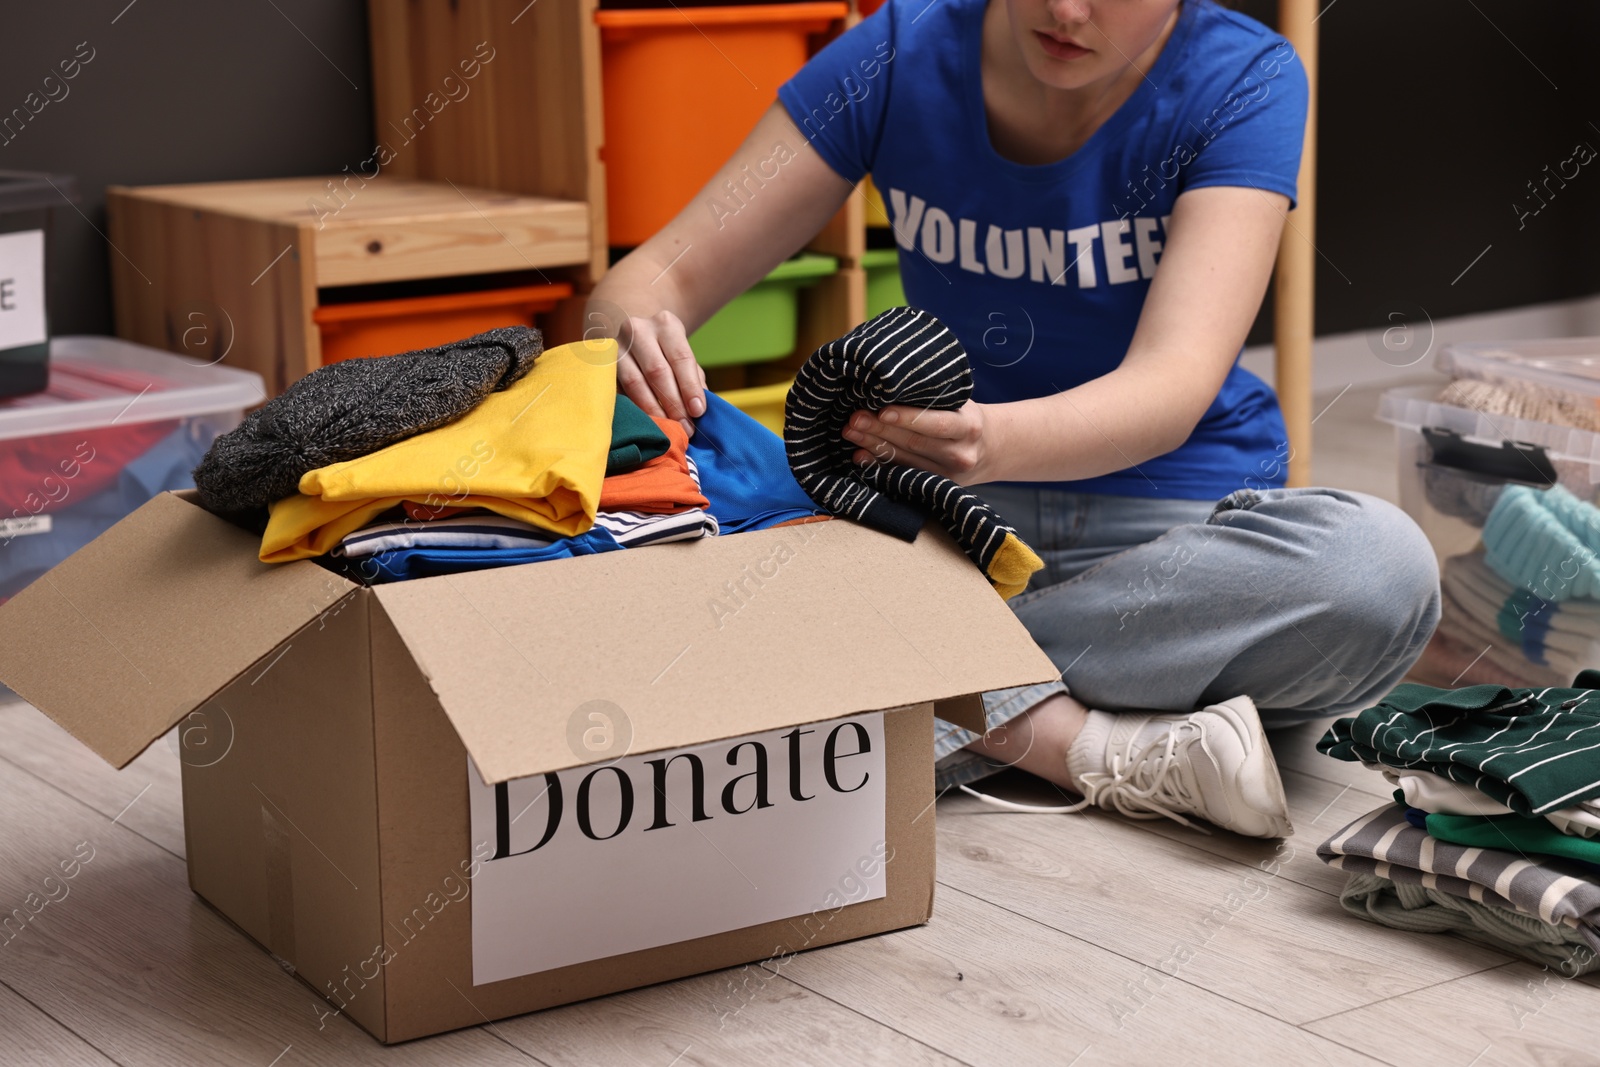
(740, 1016)
(145, 797)
(1511, 1016)
(28, 1035)
(992, 987)
(1269, 943)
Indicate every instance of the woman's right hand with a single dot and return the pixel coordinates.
(657, 370)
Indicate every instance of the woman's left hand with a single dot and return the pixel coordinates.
(951, 443)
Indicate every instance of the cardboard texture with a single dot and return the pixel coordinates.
(328, 725)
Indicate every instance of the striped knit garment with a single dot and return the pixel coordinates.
(903, 356)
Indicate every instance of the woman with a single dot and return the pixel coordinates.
(1040, 158)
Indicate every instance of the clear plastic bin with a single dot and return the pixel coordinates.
(1571, 363)
(1453, 461)
(119, 424)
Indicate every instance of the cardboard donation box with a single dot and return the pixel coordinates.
(462, 798)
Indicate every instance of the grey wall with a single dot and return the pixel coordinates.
(178, 91)
(1435, 113)
(1434, 116)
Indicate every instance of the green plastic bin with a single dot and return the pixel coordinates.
(761, 324)
(883, 280)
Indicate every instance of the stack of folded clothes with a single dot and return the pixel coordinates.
(1495, 829)
(486, 453)
(1525, 609)
(492, 452)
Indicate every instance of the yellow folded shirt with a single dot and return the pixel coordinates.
(535, 452)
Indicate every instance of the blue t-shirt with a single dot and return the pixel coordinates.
(1042, 271)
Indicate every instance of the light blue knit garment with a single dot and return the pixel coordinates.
(1546, 541)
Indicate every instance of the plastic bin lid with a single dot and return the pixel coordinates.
(1571, 363)
(101, 381)
(22, 190)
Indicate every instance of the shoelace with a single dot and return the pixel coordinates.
(1144, 787)
(1138, 786)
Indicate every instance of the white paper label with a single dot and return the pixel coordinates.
(597, 861)
(21, 288)
(27, 524)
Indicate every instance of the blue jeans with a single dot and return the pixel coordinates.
(1312, 602)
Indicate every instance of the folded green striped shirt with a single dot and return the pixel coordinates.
(1533, 750)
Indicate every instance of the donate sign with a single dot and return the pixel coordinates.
(651, 850)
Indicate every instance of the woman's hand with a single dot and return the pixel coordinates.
(657, 370)
(957, 444)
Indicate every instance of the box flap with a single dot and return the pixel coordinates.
(558, 664)
(141, 626)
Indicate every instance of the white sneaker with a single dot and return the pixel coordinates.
(1213, 763)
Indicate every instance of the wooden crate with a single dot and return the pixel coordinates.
(241, 264)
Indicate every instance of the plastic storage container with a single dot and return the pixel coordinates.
(119, 424)
(1571, 363)
(764, 403)
(682, 88)
(883, 280)
(28, 202)
(761, 323)
(1454, 461)
(384, 327)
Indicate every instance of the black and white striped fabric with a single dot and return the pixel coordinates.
(903, 356)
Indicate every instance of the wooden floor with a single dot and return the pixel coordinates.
(1069, 940)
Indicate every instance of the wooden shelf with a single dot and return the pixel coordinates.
(238, 265)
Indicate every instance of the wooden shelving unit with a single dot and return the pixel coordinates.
(534, 124)
(242, 265)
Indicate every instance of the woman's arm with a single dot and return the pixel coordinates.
(719, 245)
(1222, 244)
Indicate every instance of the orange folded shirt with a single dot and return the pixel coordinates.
(661, 486)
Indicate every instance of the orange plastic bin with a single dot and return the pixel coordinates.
(383, 327)
(682, 88)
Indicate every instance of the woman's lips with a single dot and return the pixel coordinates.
(1060, 48)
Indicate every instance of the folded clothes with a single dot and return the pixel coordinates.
(1553, 655)
(635, 438)
(1515, 833)
(902, 356)
(1431, 792)
(1530, 749)
(744, 472)
(546, 470)
(488, 531)
(404, 564)
(1546, 541)
(662, 484)
(1383, 844)
(1418, 908)
(1563, 634)
(355, 407)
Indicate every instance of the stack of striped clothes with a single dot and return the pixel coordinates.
(1495, 829)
